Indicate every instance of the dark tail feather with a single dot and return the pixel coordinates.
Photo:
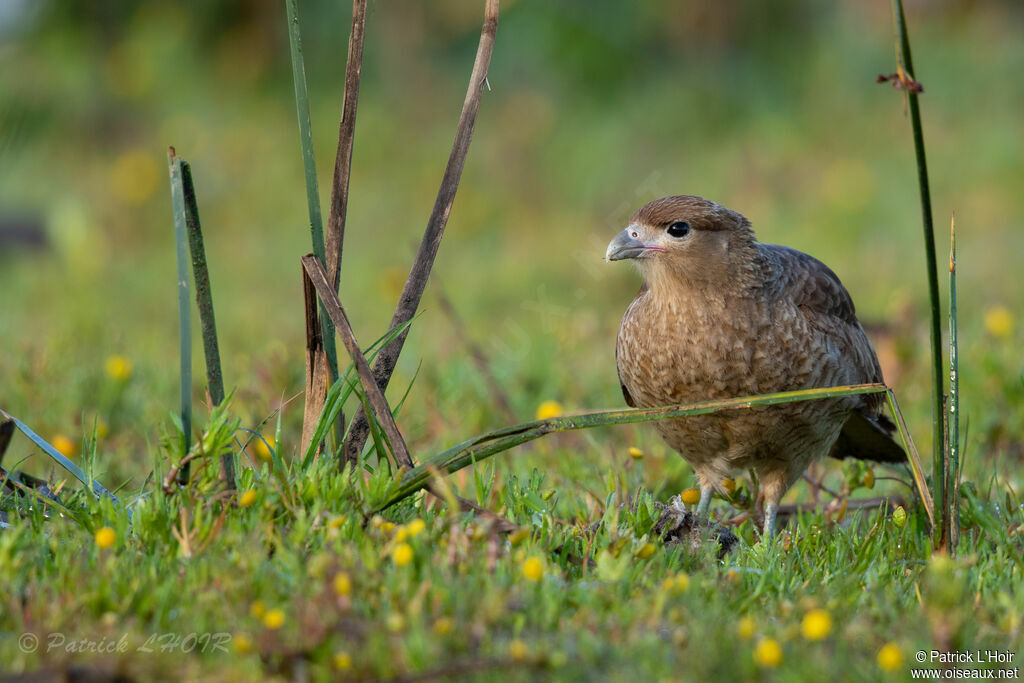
(868, 438)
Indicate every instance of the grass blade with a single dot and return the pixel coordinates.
(905, 80)
(914, 458)
(204, 302)
(316, 225)
(953, 419)
(486, 445)
(184, 312)
(71, 467)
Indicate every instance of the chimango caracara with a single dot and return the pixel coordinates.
(721, 315)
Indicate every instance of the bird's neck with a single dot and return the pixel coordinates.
(741, 274)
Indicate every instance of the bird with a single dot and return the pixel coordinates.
(721, 315)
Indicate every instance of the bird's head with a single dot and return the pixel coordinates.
(688, 239)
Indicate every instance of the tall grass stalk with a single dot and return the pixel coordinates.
(486, 445)
(905, 79)
(184, 312)
(309, 164)
(953, 418)
(204, 302)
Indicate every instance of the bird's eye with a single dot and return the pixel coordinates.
(679, 229)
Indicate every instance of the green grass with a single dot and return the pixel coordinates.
(804, 144)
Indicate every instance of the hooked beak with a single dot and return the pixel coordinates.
(624, 246)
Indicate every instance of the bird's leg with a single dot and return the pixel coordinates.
(771, 508)
(774, 483)
(705, 499)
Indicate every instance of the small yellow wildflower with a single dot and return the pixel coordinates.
(337, 522)
(768, 653)
(869, 479)
(533, 569)
(745, 628)
(258, 609)
(119, 368)
(416, 527)
(264, 448)
(274, 618)
(64, 445)
(242, 643)
(635, 453)
(549, 409)
(387, 527)
(402, 554)
(518, 650)
(729, 485)
(817, 624)
(401, 533)
(106, 537)
(890, 657)
(690, 496)
(682, 582)
(342, 584)
(999, 322)
(645, 551)
(342, 661)
(443, 625)
(899, 517)
(247, 498)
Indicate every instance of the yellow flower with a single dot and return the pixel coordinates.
(402, 554)
(729, 485)
(745, 628)
(817, 624)
(64, 445)
(342, 661)
(690, 496)
(443, 625)
(645, 551)
(258, 609)
(890, 657)
(337, 522)
(635, 453)
(247, 498)
(342, 584)
(549, 409)
(242, 643)
(682, 582)
(533, 569)
(518, 650)
(401, 533)
(119, 368)
(768, 653)
(274, 618)
(106, 537)
(264, 450)
(387, 527)
(999, 322)
(416, 527)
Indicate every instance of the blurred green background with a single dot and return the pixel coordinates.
(594, 108)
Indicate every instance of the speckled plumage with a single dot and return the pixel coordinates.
(720, 316)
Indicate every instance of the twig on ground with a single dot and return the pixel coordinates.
(409, 300)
